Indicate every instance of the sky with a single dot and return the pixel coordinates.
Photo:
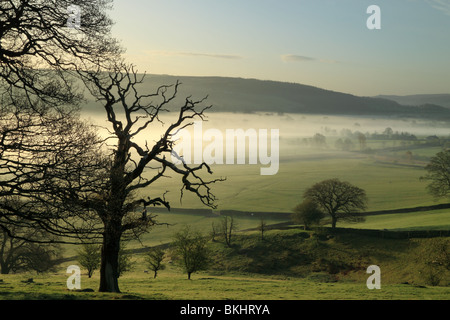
(323, 43)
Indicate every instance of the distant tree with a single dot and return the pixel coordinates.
(215, 230)
(190, 250)
(388, 132)
(362, 140)
(17, 254)
(348, 144)
(439, 174)
(319, 140)
(341, 200)
(307, 213)
(227, 228)
(345, 145)
(409, 155)
(339, 143)
(262, 226)
(89, 257)
(124, 260)
(154, 259)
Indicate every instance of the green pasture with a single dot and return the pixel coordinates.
(388, 185)
(423, 220)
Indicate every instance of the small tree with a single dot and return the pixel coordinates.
(124, 260)
(154, 260)
(227, 228)
(89, 257)
(190, 250)
(262, 226)
(307, 213)
(215, 230)
(341, 200)
(439, 174)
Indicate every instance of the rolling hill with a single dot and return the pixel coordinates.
(251, 95)
(421, 99)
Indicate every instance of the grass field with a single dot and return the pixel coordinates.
(388, 185)
(173, 286)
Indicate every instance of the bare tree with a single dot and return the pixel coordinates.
(52, 163)
(341, 200)
(42, 143)
(67, 183)
(38, 47)
(215, 230)
(154, 259)
(262, 226)
(136, 166)
(227, 228)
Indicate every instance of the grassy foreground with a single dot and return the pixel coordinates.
(286, 265)
(173, 286)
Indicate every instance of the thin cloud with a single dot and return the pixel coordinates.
(295, 58)
(196, 54)
(441, 5)
(211, 55)
(298, 58)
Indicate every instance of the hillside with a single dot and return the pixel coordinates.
(420, 99)
(251, 95)
(331, 257)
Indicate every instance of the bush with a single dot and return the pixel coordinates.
(307, 213)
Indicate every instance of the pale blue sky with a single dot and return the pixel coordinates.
(323, 43)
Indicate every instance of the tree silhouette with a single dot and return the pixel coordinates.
(438, 172)
(137, 165)
(46, 153)
(341, 200)
(190, 250)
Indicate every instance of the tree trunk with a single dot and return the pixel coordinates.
(189, 275)
(333, 222)
(109, 269)
(4, 269)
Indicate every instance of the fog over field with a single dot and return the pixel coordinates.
(290, 126)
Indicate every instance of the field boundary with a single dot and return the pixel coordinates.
(387, 234)
(287, 215)
(408, 210)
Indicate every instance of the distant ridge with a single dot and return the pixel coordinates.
(420, 99)
(252, 95)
